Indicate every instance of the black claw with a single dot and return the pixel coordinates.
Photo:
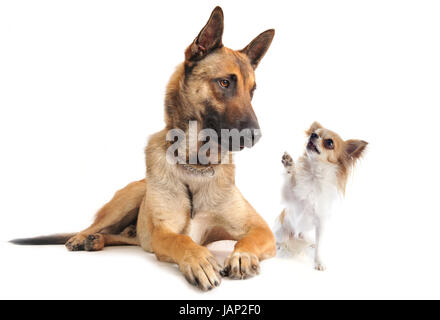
(190, 281)
(224, 272)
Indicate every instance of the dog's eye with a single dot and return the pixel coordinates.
(328, 143)
(224, 83)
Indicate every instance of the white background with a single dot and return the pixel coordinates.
(82, 87)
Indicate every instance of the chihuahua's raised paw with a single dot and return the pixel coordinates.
(287, 162)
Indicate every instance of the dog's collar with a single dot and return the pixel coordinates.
(205, 171)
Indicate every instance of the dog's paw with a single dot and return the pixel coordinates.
(129, 232)
(241, 265)
(94, 242)
(287, 161)
(320, 266)
(201, 269)
(76, 243)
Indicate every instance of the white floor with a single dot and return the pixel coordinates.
(51, 272)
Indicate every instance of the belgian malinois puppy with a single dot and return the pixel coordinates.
(180, 208)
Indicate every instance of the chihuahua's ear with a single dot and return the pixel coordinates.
(258, 47)
(315, 126)
(354, 149)
(209, 38)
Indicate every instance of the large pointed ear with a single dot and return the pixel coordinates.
(354, 149)
(258, 47)
(209, 38)
(315, 126)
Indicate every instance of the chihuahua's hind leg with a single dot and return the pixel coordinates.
(123, 202)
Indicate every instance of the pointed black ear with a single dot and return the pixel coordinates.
(258, 47)
(354, 149)
(209, 38)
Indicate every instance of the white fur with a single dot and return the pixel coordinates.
(309, 194)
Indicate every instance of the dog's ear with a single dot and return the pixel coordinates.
(209, 38)
(258, 47)
(354, 149)
(315, 126)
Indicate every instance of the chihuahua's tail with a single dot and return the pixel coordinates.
(44, 240)
(287, 244)
(279, 229)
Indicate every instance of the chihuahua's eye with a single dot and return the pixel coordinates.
(224, 83)
(328, 144)
(314, 136)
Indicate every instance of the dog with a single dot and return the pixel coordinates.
(179, 208)
(312, 186)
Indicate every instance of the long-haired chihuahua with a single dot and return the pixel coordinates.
(312, 185)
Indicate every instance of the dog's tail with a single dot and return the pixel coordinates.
(44, 240)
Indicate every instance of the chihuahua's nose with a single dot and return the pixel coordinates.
(314, 136)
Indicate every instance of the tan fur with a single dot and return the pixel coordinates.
(164, 223)
(112, 213)
(345, 154)
(282, 216)
(312, 185)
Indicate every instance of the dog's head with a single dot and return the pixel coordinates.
(215, 85)
(327, 146)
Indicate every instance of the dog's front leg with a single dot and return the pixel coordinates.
(257, 244)
(196, 263)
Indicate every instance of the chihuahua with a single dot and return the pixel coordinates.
(312, 185)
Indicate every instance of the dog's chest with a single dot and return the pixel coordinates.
(205, 211)
(199, 226)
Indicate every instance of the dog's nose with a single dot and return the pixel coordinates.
(248, 123)
(256, 135)
(252, 125)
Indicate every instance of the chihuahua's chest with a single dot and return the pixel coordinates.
(312, 197)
